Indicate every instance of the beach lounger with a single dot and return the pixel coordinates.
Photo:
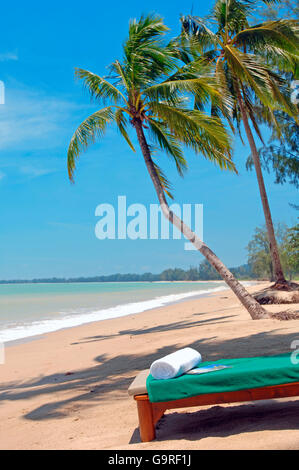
(247, 379)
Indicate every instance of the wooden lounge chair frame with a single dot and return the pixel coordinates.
(150, 413)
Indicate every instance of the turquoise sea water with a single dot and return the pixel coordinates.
(32, 309)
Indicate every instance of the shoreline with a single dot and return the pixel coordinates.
(60, 390)
(46, 325)
(27, 339)
(5, 283)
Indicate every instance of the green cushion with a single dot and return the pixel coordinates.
(245, 373)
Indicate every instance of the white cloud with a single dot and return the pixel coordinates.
(34, 172)
(35, 130)
(4, 56)
(19, 167)
(31, 120)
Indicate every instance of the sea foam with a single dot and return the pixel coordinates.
(83, 316)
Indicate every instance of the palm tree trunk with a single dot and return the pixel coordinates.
(278, 272)
(253, 307)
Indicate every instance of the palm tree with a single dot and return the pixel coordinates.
(244, 59)
(148, 90)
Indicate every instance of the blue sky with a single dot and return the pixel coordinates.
(47, 224)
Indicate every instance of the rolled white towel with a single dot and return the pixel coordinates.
(175, 364)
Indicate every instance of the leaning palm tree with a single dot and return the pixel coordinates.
(149, 91)
(244, 58)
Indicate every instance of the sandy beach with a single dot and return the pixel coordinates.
(68, 389)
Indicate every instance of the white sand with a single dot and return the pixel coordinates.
(68, 390)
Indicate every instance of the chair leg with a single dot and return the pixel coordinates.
(146, 420)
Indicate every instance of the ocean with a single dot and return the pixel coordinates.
(33, 309)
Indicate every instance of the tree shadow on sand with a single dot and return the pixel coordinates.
(158, 329)
(110, 378)
(225, 421)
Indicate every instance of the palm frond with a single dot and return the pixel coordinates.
(122, 77)
(283, 34)
(252, 72)
(195, 78)
(224, 104)
(203, 88)
(94, 126)
(168, 143)
(155, 86)
(231, 15)
(195, 129)
(122, 124)
(196, 27)
(98, 87)
(165, 184)
(145, 54)
(251, 111)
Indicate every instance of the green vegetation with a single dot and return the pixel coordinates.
(259, 257)
(278, 9)
(281, 155)
(292, 248)
(204, 272)
(250, 61)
